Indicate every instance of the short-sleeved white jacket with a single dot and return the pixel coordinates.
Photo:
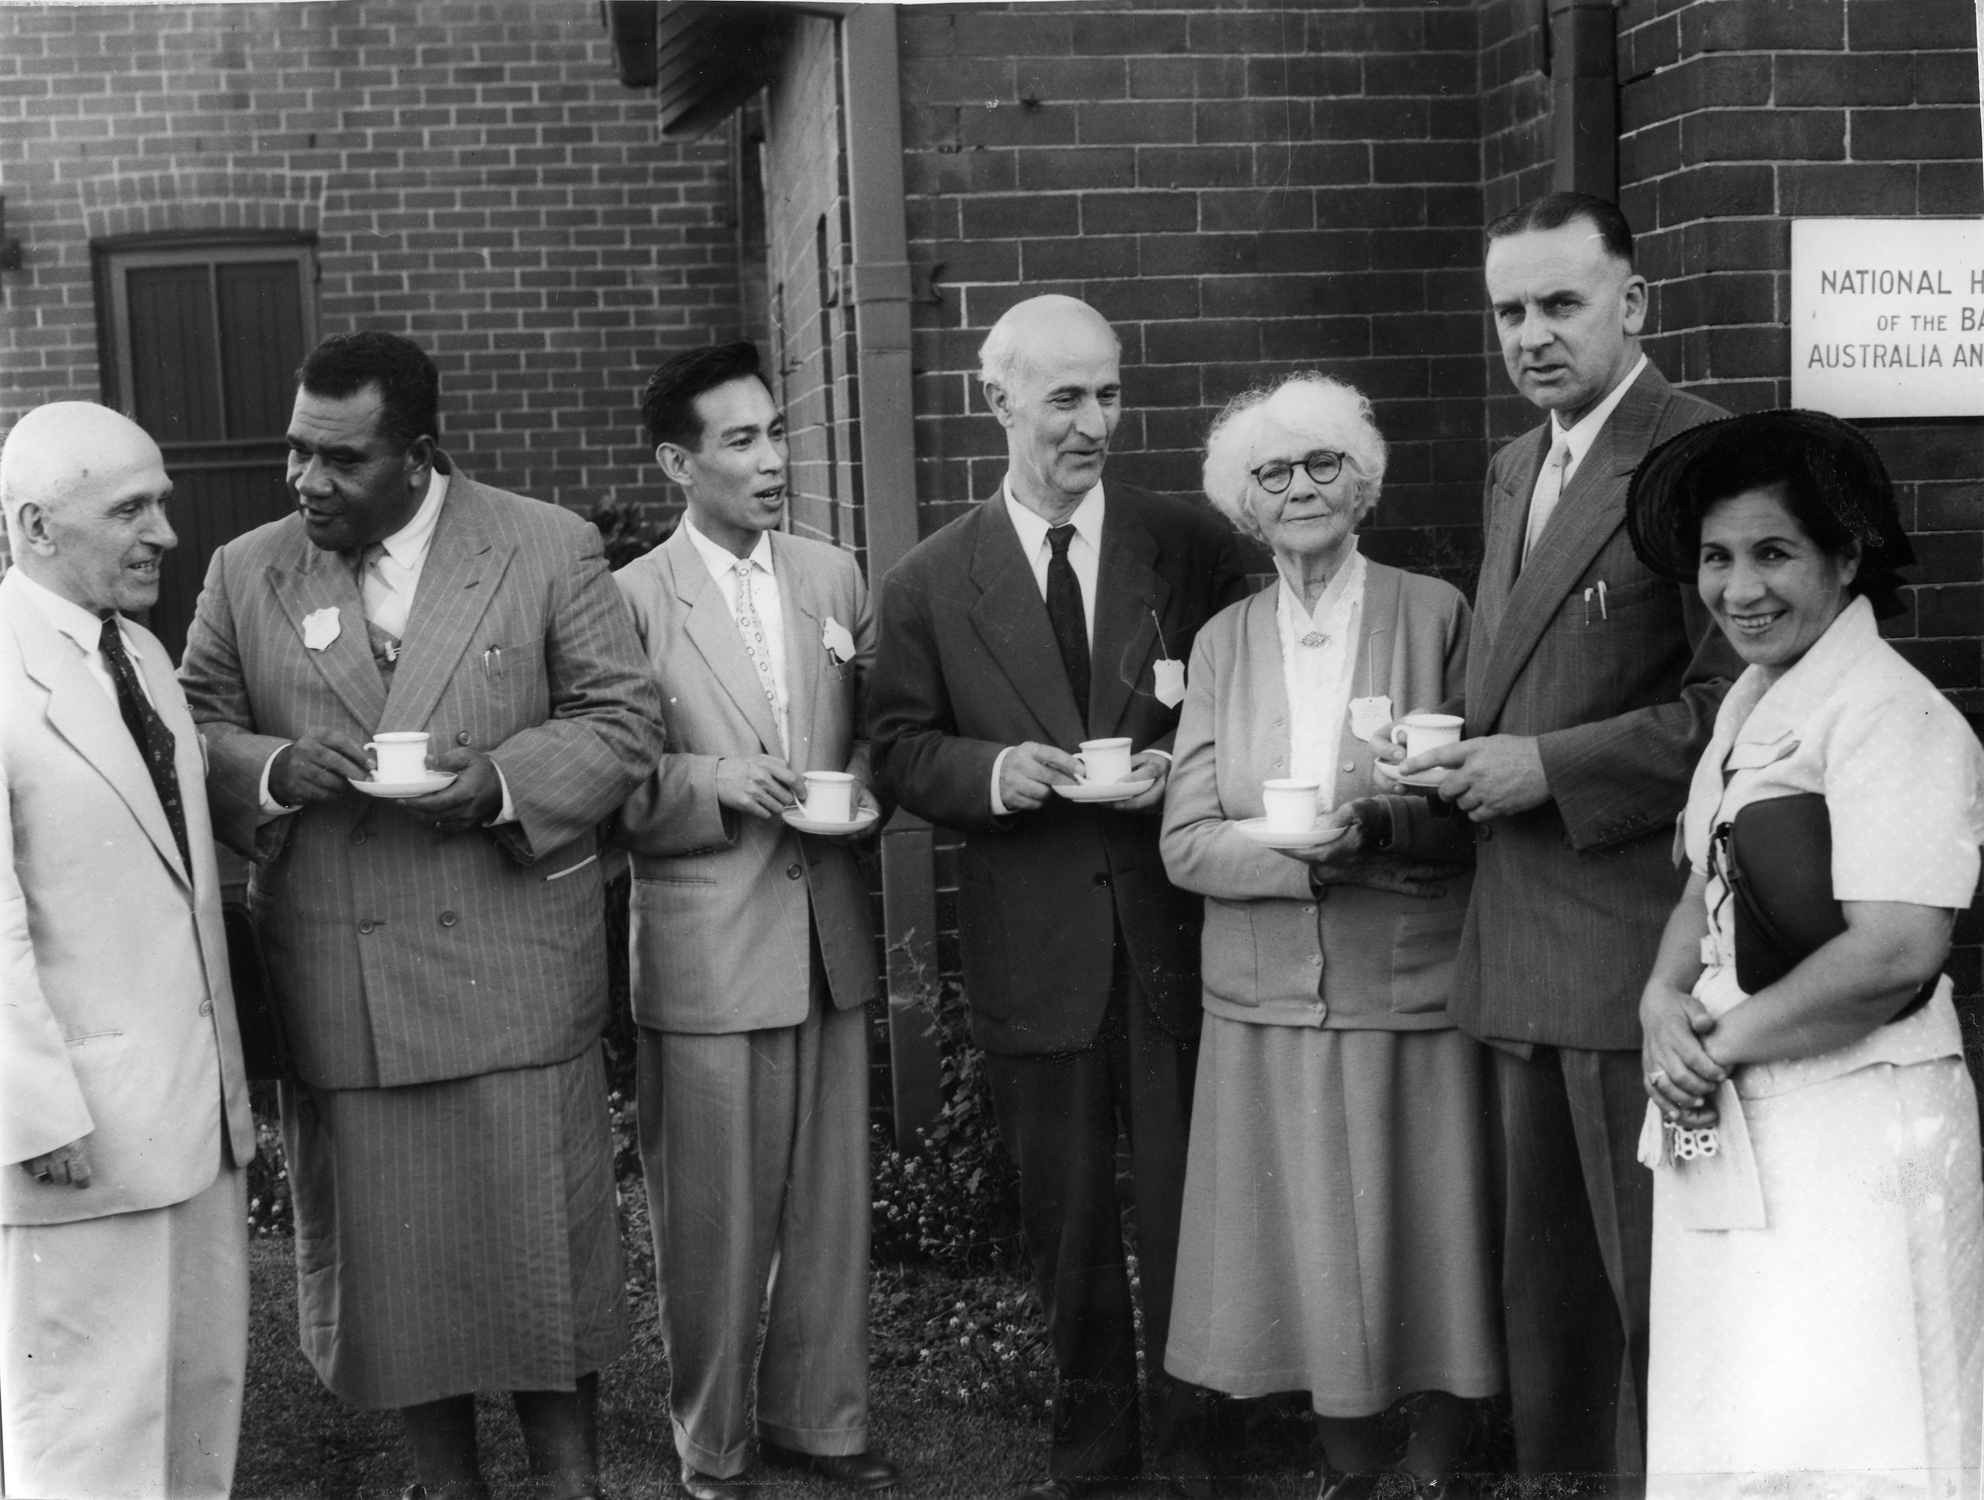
(1903, 779)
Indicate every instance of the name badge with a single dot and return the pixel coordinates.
(1169, 681)
(1369, 715)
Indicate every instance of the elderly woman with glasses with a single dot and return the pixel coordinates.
(1336, 1228)
(1818, 1243)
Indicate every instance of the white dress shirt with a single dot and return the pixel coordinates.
(390, 578)
(86, 630)
(1084, 548)
(1084, 556)
(1318, 677)
(1576, 441)
(722, 563)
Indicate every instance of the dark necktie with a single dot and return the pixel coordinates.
(154, 740)
(1065, 614)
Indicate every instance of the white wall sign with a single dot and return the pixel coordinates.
(1887, 317)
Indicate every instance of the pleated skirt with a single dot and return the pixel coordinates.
(1338, 1234)
(457, 1236)
(1839, 1351)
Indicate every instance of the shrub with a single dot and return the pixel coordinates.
(954, 1202)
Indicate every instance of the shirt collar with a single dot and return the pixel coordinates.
(1766, 710)
(1579, 437)
(721, 560)
(408, 546)
(77, 623)
(1033, 528)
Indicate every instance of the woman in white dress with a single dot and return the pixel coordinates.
(1818, 1260)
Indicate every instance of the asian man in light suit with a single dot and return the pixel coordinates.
(753, 949)
(124, 1114)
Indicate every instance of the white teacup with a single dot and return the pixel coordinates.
(1291, 804)
(830, 796)
(402, 756)
(1104, 761)
(1422, 732)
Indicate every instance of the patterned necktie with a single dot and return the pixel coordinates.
(1065, 614)
(753, 630)
(1549, 490)
(155, 742)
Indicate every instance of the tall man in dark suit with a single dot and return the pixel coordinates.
(1063, 609)
(439, 960)
(1591, 690)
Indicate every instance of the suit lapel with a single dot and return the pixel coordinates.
(805, 651)
(1593, 507)
(459, 578)
(88, 718)
(1130, 597)
(708, 623)
(1501, 548)
(324, 581)
(1011, 619)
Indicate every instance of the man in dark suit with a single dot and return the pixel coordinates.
(1059, 610)
(1591, 690)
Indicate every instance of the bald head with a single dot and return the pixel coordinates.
(1033, 323)
(84, 489)
(1052, 368)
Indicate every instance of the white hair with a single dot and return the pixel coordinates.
(1000, 355)
(1313, 405)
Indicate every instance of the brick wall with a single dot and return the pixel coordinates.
(810, 331)
(1243, 192)
(476, 177)
(1737, 118)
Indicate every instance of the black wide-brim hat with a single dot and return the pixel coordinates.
(1679, 480)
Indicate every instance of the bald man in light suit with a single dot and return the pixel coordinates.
(125, 1123)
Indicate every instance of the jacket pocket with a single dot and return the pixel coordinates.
(1423, 949)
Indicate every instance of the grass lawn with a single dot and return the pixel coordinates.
(956, 1400)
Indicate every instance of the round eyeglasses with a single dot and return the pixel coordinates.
(1321, 466)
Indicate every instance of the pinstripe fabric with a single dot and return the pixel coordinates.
(457, 1236)
(1570, 897)
(401, 956)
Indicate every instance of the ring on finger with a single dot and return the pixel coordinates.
(1656, 1078)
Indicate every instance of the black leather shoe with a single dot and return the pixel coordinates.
(708, 1487)
(861, 1471)
(1336, 1486)
(1062, 1487)
(1185, 1473)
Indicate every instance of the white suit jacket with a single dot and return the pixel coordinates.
(721, 901)
(116, 1013)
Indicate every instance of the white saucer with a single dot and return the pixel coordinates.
(864, 817)
(1109, 791)
(434, 781)
(1425, 781)
(1257, 830)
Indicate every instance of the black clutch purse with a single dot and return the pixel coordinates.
(1779, 874)
(264, 1047)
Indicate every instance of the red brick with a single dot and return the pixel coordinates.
(1140, 212)
(1804, 78)
(1193, 166)
(1884, 25)
(1845, 189)
(1741, 26)
(1916, 134)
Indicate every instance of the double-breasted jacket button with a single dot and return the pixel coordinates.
(1350, 765)
(206, 1007)
(1483, 832)
(358, 835)
(1103, 880)
(793, 872)
(367, 925)
(462, 738)
(448, 919)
